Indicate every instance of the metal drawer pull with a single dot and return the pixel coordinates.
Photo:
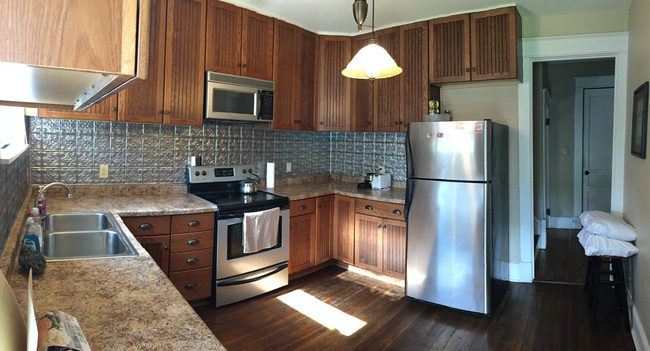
(368, 207)
(397, 212)
(190, 286)
(145, 226)
(192, 260)
(194, 223)
(302, 207)
(192, 242)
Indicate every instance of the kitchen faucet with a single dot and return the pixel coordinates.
(49, 186)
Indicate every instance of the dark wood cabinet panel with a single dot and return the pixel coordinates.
(496, 44)
(223, 38)
(344, 228)
(185, 62)
(307, 70)
(257, 45)
(414, 58)
(368, 237)
(324, 237)
(193, 284)
(362, 94)
(301, 247)
(183, 261)
(158, 249)
(449, 47)
(192, 241)
(103, 111)
(152, 225)
(195, 222)
(285, 74)
(334, 88)
(394, 245)
(387, 91)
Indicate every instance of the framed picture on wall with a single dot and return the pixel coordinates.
(640, 120)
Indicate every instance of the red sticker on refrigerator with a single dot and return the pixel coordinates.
(478, 127)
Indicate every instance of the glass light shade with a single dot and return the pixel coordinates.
(371, 62)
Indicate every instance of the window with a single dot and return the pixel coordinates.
(13, 138)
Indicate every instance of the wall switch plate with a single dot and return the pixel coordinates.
(565, 151)
(381, 169)
(288, 167)
(103, 171)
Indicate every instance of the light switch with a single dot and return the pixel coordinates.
(381, 169)
(288, 167)
(565, 151)
(103, 171)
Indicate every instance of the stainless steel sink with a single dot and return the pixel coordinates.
(84, 235)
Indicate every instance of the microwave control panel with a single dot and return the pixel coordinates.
(266, 108)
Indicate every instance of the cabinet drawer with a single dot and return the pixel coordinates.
(192, 241)
(141, 226)
(380, 209)
(302, 207)
(193, 284)
(183, 261)
(192, 223)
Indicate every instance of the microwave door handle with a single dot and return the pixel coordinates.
(258, 103)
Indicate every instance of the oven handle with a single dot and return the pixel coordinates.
(240, 282)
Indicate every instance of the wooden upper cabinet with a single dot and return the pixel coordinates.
(301, 246)
(223, 38)
(334, 88)
(344, 228)
(143, 102)
(307, 71)
(285, 74)
(394, 247)
(449, 57)
(387, 90)
(496, 44)
(324, 233)
(257, 46)
(185, 62)
(103, 111)
(362, 93)
(414, 58)
(368, 238)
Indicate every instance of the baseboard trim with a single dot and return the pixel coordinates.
(514, 272)
(538, 226)
(638, 332)
(564, 222)
(526, 272)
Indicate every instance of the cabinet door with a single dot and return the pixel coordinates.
(307, 70)
(334, 88)
(324, 238)
(158, 248)
(414, 56)
(387, 91)
(143, 102)
(344, 229)
(394, 242)
(285, 74)
(301, 246)
(257, 46)
(496, 43)
(368, 238)
(363, 93)
(184, 62)
(449, 49)
(106, 110)
(223, 38)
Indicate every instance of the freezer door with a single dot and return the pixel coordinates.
(449, 150)
(446, 260)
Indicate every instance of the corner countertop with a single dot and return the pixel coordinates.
(121, 303)
(337, 187)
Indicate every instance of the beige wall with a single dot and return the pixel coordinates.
(574, 24)
(496, 101)
(636, 201)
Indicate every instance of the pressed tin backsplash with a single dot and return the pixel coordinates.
(71, 151)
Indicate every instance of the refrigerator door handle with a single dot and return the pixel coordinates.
(407, 202)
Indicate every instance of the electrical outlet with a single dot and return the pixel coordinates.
(381, 169)
(288, 167)
(103, 171)
(565, 151)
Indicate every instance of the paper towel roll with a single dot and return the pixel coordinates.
(270, 175)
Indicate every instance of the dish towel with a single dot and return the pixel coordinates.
(260, 230)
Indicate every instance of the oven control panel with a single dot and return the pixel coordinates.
(225, 173)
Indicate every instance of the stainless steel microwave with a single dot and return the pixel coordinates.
(236, 98)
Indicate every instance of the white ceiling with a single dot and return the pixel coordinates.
(335, 16)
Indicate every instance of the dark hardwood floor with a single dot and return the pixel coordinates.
(531, 317)
(563, 260)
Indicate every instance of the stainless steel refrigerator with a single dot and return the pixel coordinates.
(457, 213)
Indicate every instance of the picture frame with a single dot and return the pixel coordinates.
(640, 121)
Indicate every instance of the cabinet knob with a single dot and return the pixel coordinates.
(244, 65)
(369, 122)
(368, 207)
(113, 108)
(384, 228)
(193, 242)
(190, 286)
(302, 207)
(298, 121)
(295, 121)
(397, 212)
(145, 226)
(166, 112)
(379, 226)
(160, 112)
(166, 247)
(473, 69)
(192, 260)
(239, 65)
(321, 122)
(319, 206)
(194, 223)
(466, 69)
(400, 122)
(395, 122)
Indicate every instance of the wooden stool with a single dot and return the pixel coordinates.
(616, 286)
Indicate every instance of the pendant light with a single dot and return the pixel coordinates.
(372, 61)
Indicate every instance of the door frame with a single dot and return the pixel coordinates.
(572, 47)
(582, 83)
(546, 97)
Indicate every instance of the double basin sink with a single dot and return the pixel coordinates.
(84, 235)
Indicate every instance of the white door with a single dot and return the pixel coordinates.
(598, 113)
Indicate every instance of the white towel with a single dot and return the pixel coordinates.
(260, 230)
(597, 245)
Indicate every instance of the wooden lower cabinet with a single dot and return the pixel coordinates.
(193, 284)
(343, 218)
(158, 247)
(324, 237)
(301, 246)
(394, 247)
(368, 238)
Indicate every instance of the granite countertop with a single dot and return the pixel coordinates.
(121, 303)
(332, 186)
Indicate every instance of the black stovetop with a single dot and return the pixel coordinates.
(229, 200)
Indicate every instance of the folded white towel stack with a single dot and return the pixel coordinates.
(606, 235)
(260, 230)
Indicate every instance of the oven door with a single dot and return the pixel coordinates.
(231, 102)
(230, 257)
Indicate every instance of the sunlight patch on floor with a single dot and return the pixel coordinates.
(328, 316)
